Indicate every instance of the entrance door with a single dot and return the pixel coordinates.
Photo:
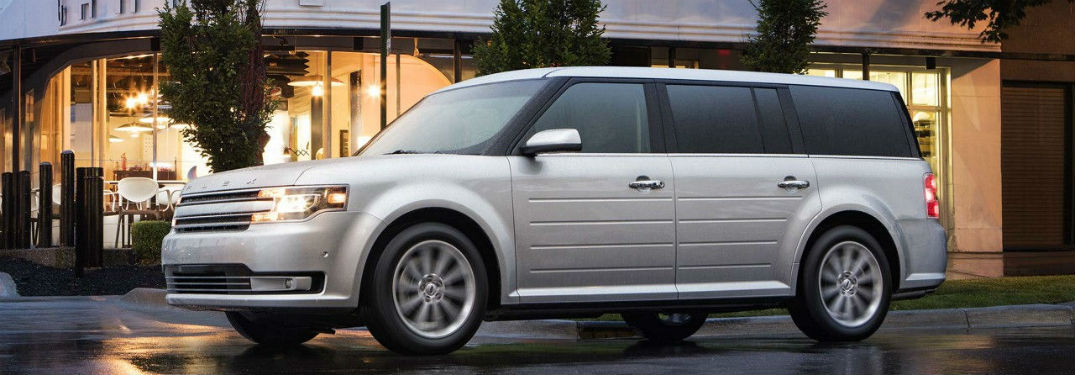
(583, 233)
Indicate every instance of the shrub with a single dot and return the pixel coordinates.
(147, 237)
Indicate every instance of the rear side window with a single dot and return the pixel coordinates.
(844, 121)
(715, 119)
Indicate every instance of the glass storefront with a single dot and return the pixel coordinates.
(108, 112)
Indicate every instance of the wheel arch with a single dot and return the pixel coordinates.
(861, 219)
(458, 220)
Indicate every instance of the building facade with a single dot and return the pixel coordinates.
(993, 120)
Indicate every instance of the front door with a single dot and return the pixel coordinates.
(586, 231)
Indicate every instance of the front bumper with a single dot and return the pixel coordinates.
(330, 244)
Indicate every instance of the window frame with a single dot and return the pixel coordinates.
(653, 114)
(791, 122)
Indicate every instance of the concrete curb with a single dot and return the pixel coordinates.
(152, 301)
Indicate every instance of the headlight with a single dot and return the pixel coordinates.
(298, 203)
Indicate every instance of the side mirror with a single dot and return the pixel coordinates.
(552, 140)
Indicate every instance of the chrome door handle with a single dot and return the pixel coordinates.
(791, 183)
(644, 183)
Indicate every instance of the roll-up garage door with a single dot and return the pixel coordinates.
(1033, 141)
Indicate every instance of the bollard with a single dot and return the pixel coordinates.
(23, 224)
(44, 205)
(7, 189)
(88, 221)
(67, 198)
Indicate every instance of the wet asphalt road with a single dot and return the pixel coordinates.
(83, 336)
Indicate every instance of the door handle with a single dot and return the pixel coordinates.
(644, 183)
(790, 182)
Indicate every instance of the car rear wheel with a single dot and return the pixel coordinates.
(844, 288)
(660, 327)
(268, 330)
(428, 291)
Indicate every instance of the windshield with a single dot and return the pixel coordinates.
(461, 121)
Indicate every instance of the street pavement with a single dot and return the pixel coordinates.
(92, 335)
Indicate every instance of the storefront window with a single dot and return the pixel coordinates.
(831, 73)
(109, 113)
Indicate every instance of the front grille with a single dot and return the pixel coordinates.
(219, 211)
(228, 279)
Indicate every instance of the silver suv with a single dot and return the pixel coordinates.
(659, 194)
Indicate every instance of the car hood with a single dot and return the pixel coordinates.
(254, 177)
(302, 173)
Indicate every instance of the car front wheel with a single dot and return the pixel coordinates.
(428, 291)
(844, 288)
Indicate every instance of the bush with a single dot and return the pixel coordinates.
(147, 237)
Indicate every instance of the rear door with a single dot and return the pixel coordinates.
(740, 187)
(583, 234)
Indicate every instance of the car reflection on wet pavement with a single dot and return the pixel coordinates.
(84, 336)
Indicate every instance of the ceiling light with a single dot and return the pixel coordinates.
(114, 139)
(313, 80)
(134, 127)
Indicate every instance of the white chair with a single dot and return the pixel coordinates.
(168, 195)
(137, 190)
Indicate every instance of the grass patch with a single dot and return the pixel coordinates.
(963, 293)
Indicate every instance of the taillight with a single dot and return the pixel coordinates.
(933, 206)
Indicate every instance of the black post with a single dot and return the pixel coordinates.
(16, 98)
(89, 221)
(78, 224)
(7, 180)
(866, 65)
(94, 223)
(386, 46)
(67, 198)
(44, 206)
(22, 228)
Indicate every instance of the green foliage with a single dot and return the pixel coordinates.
(541, 33)
(146, 238)
(785, 31)
(213, 53)
(998, 15)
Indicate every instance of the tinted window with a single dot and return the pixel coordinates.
(774, 129)
(610, 117)
(841, 121)
(714, 119)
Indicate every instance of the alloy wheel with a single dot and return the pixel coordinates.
(433, 288)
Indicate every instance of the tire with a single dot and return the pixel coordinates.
(428, 291)
(665, 328)
(265, 330)
(845, 286)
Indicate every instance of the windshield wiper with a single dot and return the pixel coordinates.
(402, 151)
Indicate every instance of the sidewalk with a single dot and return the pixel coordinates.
(151, 301)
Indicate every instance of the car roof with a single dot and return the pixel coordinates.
(674, 74)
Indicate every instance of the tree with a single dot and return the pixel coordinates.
(998, 15)
(213, 52)
(541, 33)
(785, 31)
